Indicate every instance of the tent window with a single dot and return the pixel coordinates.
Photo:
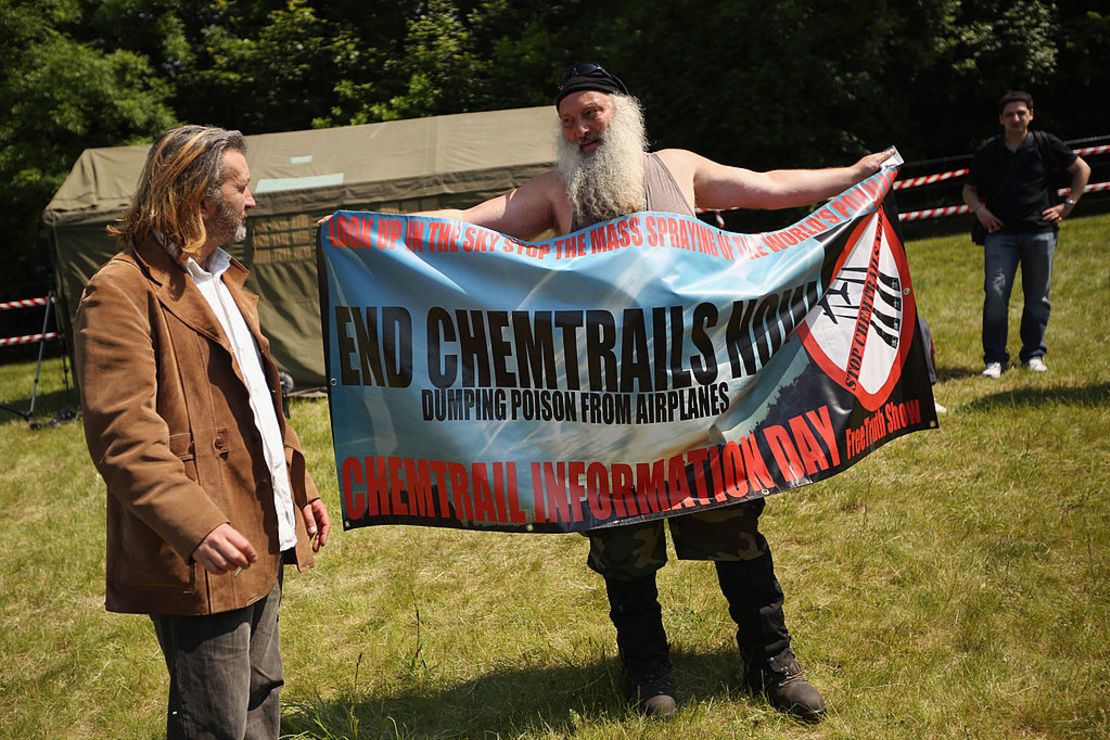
(292, 237)
(287, 238)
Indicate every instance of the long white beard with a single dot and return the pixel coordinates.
(609, 182)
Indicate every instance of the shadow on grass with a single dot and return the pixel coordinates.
(506, 702)
(1091, 395)
(54, 406)
(48, 406)
(955, 373)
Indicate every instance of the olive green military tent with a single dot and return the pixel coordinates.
(298, 176)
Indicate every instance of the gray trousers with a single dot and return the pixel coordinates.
(225, 672)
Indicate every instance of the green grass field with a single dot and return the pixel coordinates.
(956, 583)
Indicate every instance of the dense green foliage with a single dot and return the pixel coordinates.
(764, 84)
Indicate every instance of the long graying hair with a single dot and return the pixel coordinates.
(610, 182)
(182, 168)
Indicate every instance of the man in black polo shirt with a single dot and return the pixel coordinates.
(1008, 188)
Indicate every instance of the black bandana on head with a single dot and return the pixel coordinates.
(588, 76)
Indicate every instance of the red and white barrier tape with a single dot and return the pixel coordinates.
(1091, 187)
(1100, 149)
(28, 338)
(914, 182)
(928, 179)
(956, 210)
(23, 303)
(933, 213)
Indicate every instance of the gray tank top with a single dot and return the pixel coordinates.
(660, 190)
(663, 193)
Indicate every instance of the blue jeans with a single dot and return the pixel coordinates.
(1002, 254)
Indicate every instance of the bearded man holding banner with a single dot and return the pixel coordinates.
(604, 171)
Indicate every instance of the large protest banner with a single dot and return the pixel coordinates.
(641, 368)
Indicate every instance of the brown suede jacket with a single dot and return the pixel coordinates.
(169, 426)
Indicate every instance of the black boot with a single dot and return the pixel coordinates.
(755, 604)
(642, 644)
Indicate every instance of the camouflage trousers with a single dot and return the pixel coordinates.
(637, 550)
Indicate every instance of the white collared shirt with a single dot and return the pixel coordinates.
(247, 354)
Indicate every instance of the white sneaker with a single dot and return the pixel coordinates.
(940, 409)
(1037, 365)
(993, 370)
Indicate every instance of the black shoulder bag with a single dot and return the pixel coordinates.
(978, 233)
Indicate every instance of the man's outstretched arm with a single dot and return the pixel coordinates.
(721, 186)
(524, 213)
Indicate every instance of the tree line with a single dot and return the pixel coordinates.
(761, 84)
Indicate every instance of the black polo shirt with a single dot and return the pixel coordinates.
(1013, 184)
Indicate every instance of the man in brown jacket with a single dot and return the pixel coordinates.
(208, 494)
